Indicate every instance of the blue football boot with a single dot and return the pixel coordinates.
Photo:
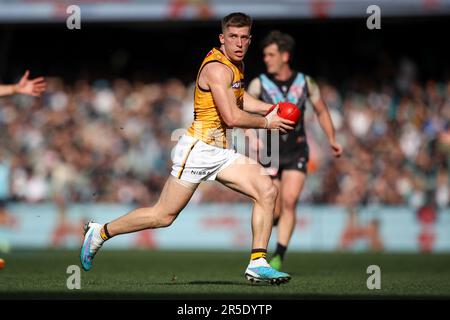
(91, 244)
(266, 274)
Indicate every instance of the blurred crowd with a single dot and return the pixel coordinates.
(110, 141)
(102, 141)
(397, 146)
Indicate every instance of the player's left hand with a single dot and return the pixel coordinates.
(31, 87)
(336, 149)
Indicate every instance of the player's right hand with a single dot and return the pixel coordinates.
(278, 123)
(336, 149)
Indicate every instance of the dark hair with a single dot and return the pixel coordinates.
(284, 41)
(236, 19)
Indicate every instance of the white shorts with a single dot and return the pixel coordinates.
(196, 161)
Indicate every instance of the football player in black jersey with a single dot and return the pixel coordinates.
(282, 83)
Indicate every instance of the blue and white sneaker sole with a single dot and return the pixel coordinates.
(254, 278)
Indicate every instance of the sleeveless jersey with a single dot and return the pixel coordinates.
(208, 125)
(296, 93)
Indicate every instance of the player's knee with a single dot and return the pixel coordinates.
(289, 204)
(273, 191)
(268, 192)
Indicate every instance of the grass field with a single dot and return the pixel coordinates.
(207, 275)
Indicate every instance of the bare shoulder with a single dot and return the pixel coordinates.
(311, 81)
(215, 74)
(313, 89)
(254, 88)
(217, 71)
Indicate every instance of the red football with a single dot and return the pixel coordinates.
(289, 111)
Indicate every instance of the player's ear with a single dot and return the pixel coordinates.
(285, 56)
(222, 38)
(249, 39)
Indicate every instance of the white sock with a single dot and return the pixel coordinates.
(261, 262)
(97, 236)
(97, 240)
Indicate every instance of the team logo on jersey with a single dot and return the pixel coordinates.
(238, 84)
(297, 92)
(301, 163)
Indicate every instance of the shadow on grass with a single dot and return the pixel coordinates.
(92, 295)
(221, 283)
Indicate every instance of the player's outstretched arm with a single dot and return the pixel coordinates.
(7, 90)
(323, 115)
(33, 87)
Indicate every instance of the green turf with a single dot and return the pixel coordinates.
(154, 274)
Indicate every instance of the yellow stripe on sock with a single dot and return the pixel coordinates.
(257, 255)
(103, 234)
